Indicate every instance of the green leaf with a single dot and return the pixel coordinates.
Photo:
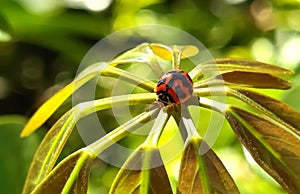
(144, 171)
(139, 54)
(69, 176)
(192, 179)
(174, 53)
(245, 79)
(50, 106)
(52, 144)
(275, 109)
(166, 52)
(135, 178)
(241, 65)
(189, 51)
(121, 131)
(142, 54)
(163, 51)
(128, 77)
(275, 149)
(147, 53)
(48, 151)
(229, 64)
(282, 110)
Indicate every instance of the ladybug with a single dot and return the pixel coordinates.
(174, 87)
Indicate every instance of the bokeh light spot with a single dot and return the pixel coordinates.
(289, 54)
(263, 50)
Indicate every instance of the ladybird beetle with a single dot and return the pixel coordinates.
(175, 87)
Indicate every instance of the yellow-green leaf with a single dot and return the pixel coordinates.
(144, 171)
(231, 64)
(129, 77)
(54, 141)
(221, 65)
(189, 51)
(142, 54)
(245, 79)
(162, 51)
(139, 54)
(282, 110)
(275, 149)
(69, 176)
(50, 106)
(274, 109)
(166, 52)
(135, 178)
(215, 179)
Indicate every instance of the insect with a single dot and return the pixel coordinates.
(174, 87)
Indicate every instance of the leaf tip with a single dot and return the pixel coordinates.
(289, 72)
(27, 130)
(30, 127)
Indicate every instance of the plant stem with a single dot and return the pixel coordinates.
(120, 132)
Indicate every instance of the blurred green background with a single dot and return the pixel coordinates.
(43, 42)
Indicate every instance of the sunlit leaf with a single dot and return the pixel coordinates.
(275, 109)
(69, 176)
(50, 106)
(142, 54)
(189, 51)
(134, 178)
(48, 151)
(162, 51)
(229, 64)
(166, 52)
(129, 77)
(52, 144)
(144, 170)
(275, 149)
(245, 79)
(174, 53)
(192, 179)
(121, 131)
(241, 65)
(282, 110)
(47, 109)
